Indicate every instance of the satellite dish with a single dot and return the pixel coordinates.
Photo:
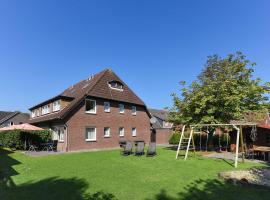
(153, 120)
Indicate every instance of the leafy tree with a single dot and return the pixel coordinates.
(225, 90)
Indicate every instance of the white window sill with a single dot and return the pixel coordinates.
(134, 114)
(134, 135)
(107, 111)
(61, 141)
(121, 112)
(90, 140)
(107, 136)
(121, 135)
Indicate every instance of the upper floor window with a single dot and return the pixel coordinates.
(37, 112)
(134, 110)
(33, 113)
(56, 105)
(45, 109)
(90, 106)
(116, 85)
(106, 106)
(121, 108)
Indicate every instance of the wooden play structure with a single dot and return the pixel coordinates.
(186, 143)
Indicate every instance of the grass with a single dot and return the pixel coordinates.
(76, 175)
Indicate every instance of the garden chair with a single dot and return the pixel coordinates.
(127, 149)
(139, 149)
(151, 149)
(32, 147)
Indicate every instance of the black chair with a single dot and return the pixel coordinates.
(139, 149)
(151, 149)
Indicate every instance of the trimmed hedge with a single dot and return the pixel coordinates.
(213, 140)
(15, 139)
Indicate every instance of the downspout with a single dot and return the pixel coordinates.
(66, 126)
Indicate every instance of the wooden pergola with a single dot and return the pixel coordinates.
(237, 126)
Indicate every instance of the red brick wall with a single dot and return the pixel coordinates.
(163, 136)
(79, 120)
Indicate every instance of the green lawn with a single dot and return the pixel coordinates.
(74, 175)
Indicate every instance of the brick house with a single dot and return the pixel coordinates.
(8, 118)
(94, 114)
(161, 128)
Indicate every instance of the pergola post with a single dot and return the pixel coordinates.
(237, 146)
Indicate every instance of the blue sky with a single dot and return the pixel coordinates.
(48, 45)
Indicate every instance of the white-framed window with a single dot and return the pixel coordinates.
(90, 134)
(116, 85)
(121, 132)
(56, 105)
(33, 113)
(134, 110)
(45, 109)
(59, 134)
(133, 132)
(37, 112)
(106, 132)
(90, 106)
(121, 108)
(107, 107)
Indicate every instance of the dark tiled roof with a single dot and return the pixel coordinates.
(4, 116)
(96, 86)
(161, 114)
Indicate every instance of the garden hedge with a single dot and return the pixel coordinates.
(16, 139)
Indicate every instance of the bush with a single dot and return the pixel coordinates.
(175, 137)
(15, 139)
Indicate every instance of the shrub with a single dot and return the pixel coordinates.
(175, 137)
(15, 139)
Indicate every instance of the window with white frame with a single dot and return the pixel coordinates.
(33, 113)
(106, 106)
(133, 132)
(37, 112)
(134, 110)
(59, 134)
(121, 108)
(90, 134)
(116, 85)
(56, 105)
(90, 106)
(121, 132)
(106, 132)
(45, 109)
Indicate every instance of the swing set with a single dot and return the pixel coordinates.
(187, 143)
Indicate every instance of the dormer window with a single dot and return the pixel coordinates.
(45, 110)
(33, 114)
(116, 85)
(56, 105)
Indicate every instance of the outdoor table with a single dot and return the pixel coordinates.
(264, 150)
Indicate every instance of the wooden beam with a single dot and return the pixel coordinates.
(242, 143)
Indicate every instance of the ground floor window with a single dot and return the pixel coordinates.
(106, 132)
(90, 134)
(59, 134)
(121, 131)
(133, 132)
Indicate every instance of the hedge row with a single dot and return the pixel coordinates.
(16, 139)
(212, 140)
